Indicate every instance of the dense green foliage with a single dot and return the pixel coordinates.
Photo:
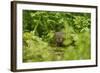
(39, 28)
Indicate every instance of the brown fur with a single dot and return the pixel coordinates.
(59, 38)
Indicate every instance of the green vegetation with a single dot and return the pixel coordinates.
(39, 43)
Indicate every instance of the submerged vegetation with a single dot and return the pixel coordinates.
(54, 36)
